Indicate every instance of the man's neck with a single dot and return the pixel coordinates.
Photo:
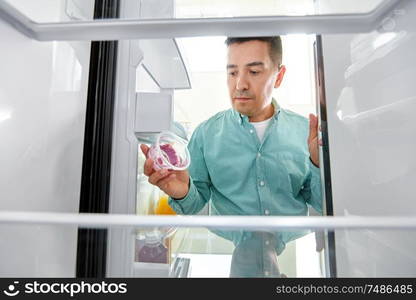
(267, 113)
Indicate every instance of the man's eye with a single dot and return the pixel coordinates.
(231, 73)
(254, 72)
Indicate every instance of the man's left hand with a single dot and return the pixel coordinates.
(313, 142)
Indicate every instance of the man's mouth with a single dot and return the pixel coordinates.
(241, 99)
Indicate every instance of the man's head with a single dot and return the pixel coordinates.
(254, 68)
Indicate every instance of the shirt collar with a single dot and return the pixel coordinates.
(243, 118)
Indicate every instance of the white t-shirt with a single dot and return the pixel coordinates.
(261, 127)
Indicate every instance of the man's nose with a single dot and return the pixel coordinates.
(242, 83)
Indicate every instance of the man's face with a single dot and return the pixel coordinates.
(252, 75)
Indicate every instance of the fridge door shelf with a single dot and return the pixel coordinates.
(120, 29)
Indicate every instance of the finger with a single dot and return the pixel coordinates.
(313, 121)
(164, 182)
(148, 167)
(312, 124)
(145, 149)
(156, 176)
(313, 127)
(320, 142)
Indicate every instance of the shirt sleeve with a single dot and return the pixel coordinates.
(311, 191)
(199, 182)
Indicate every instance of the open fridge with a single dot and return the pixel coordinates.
(83, 83)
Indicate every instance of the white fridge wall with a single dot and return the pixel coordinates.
(43, 92)
(371, 101)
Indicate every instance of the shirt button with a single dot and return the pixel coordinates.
(267, 243)
(258, 154)
(266, 212)
(266, 273)
(251, 130)
(261, 183)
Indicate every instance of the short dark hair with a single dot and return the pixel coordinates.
(275, 45)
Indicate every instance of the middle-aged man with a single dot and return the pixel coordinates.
(253, 159)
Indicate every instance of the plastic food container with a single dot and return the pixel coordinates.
(169, 152)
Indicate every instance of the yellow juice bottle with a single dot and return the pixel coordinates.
(162, 206)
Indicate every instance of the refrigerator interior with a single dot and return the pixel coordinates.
(360, 83)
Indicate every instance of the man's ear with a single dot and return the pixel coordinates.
(280, 76)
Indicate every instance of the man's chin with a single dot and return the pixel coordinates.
(242, 110)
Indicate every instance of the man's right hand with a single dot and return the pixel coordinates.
(174, 183)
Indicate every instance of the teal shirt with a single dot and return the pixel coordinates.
(242, 176)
